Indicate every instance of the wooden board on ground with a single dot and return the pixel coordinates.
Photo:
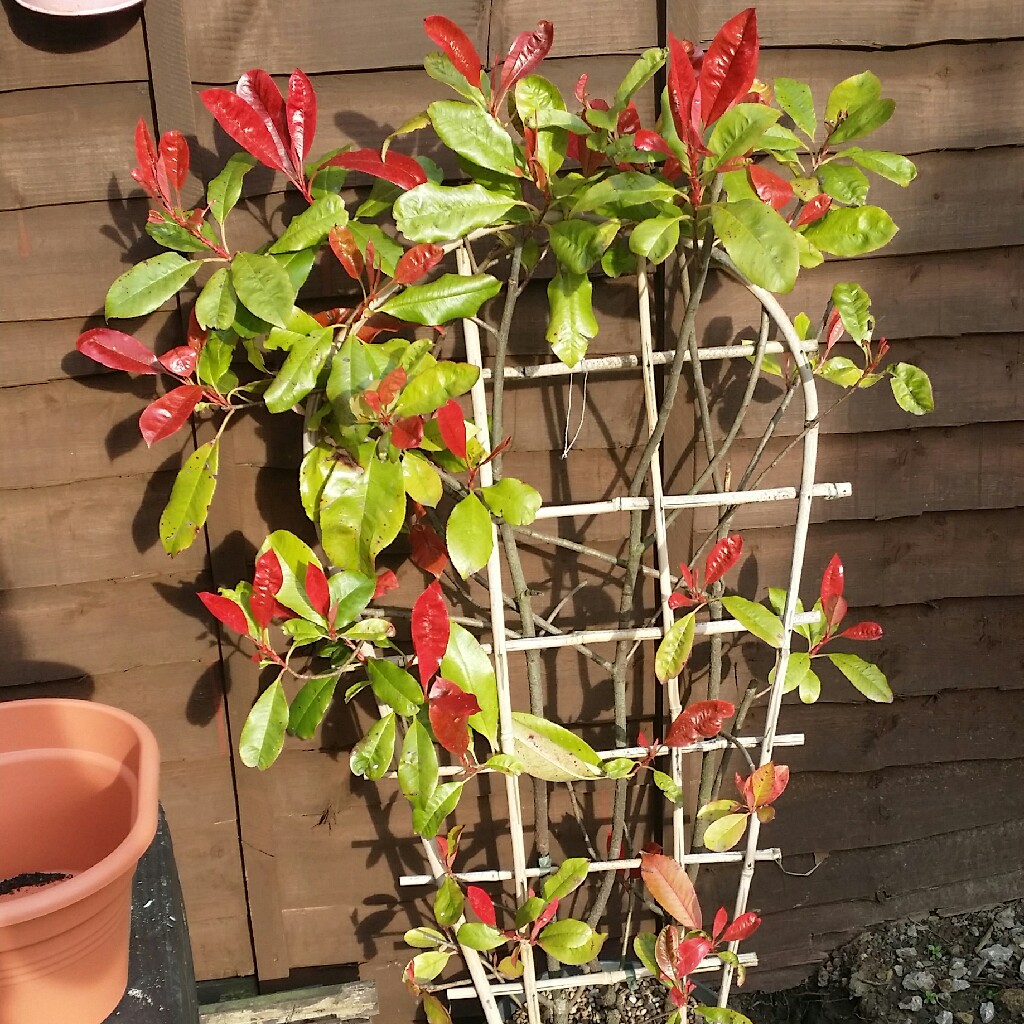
(355, 1001)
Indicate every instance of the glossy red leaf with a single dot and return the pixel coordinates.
(428, 550)
(430, 631)
(581, 88)
(832, 583)
(721, 920)
(346, 249)
(174, 158)
(722, 557)
(482, 904)
(702, 720)
(527, 51)
(770, 187)
(456, 45)
(863, 631)
(680, 601)
(399, 169)
(145, 153)
(300, 116)
(628, 122)
(680, 995)
(379, 323)
(225, 610)
(197, 335)
(166, 415)
(260, 91)
(407, 433)
(670, 886)
(546, 915)
(729, 65)
(117, 350)
(452, 427)
(266, 582)
(417, 262)
(742, 928)
(180, 361)
(834, 330)
(391, 386)
(682, 86)
(241, 123)
(449, 709)
(666, 950)
(764, 786)
(688, 578)
(318, 591)
(814, 210)
(780, 780)
(691, 953)
(651, 142)
(386, 582)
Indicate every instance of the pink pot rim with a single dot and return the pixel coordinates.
(111, 7)
(126, 855)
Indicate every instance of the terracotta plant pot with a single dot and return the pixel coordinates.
(78, 796)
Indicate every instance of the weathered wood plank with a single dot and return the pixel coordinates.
(356, 1000)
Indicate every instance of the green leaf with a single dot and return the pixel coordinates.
(395, 687)
(674, 649)
(171, 235)
(912, 389)
(440, 213)
(647, 65)
(262, 736)
(668, 786)
(572, 322)
(466, 664)
(579, 244)
(310, 705)
(190, 499)
(844, 183)
(474, 134)
(796, 100)
(312, 226)
(864, 120)
(739, 130)
(468, 536)
(643, 946)
(571, 941)
(571, 874)
(798, 667)
(617, 194)
(840, 370)
(294, 555)
(618, 261)
(422, 483)
(217, 302)
(450, 297)
(439, 67)
(529, 911)
(867, 678)
(427, 966)
(214, 365)
(417, 766)
(781, 143)
(350, 594)
(298, 375)
(371, 756)
(655, 239)
(549, 751)
(428, 816)
(480, 936)
(223, 192)
(429, 390)
(852, 94)
(725, 832)
(387, 252)
(448, 903)
(506, 764)
(619, 767)
(852, 231)
(755, 618)
(721, 1015)
(148, 285)
(810, 687)
(263, 286)
(890, 166)
(810, 255)
(854, 305)
(424, 938)
(759, 242)
(515, 502)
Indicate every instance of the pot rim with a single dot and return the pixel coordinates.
(107, 8)
(123, 858)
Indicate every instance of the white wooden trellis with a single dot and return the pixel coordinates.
(482, 987)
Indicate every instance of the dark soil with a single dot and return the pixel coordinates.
(29, 880)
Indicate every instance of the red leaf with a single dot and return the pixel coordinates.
(163, 417)
(390, 387)
(581, 88)
(318, 590)
(666, 950)
(241, 123)
(346, 248)
(545, 915)
(145, 153)
(764, 786)
(691, 953)
(702, 720)
(456, 45)
(430, 631)
(680, 601)
(863, 631)
(770, 188)
(300, 114)
(259, 90)
(729, 65)
(651, 142)
(780, 780)
(449, 710)
(428, 550)
(399, 169)
(266, 582)
(814, 210)
(174, 158)
(682, 86)
(180, 361)
(834, 330)
(227, 611)
(417, 262)
(386, 582)
(688, 578)
(197, 335)
(721, 920)
(668, 883)
(742, 928)
(407, 433)
(482, 904)
(117, 350)
(628, 122)
(527, 51)
(379, 323)
(832, 582)
(721, 558)
(452, 427)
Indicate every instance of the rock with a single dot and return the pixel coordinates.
(858, 988)
(997, 954)
(898, 969)
(919, 981)
(987, 1012)
(913, 1004)
(944, 1017)
(959, 985)
(1006, 918)
(1013, 1000)
(966, 1017)
(906, 952)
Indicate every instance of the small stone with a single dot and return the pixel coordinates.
(1020, 970)
(1013, 1000)
(919, 981)
(911, 931)
(959, 985)
(997, 954)
(913, 1004)
(987, 1012)
(858, 988)
(964, 1017)
(944, 1017)
(945, 985)
(899, 969)
(906, 952)
(1006, 918)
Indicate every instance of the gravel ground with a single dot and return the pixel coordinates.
(642, 1002)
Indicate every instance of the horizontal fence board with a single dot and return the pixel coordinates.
(37, 50)
(70, 144)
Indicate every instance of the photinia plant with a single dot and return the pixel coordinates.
(735, 173)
